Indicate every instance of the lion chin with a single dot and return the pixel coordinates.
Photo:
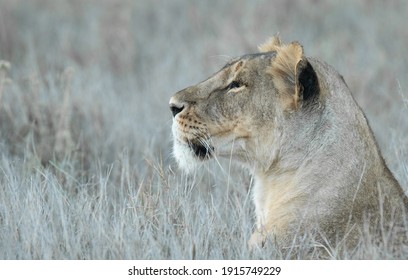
(190, 156)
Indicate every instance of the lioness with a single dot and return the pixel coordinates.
(293, 122)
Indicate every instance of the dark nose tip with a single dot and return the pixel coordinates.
(175, 108)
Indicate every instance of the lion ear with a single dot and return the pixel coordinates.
(272, 44)
(285, 69)
(292, 74)
(307, 81)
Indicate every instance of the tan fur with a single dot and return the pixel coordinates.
(285, 68)
(274, 202)
(294, 123)
(272, 45)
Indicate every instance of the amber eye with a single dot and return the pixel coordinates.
(233, 84)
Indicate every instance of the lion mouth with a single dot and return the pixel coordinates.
(201, 151)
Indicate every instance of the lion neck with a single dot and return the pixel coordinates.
(278, 169)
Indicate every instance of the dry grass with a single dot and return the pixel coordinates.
(85, 164)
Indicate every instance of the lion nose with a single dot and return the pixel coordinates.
(176, 108)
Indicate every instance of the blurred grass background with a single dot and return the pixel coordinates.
(86, 170)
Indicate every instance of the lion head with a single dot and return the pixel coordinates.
(239, 110)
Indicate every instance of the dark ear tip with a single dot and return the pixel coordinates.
(308, 80)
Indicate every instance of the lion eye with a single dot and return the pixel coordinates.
(233, 84)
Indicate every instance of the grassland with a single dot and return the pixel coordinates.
(86, 170)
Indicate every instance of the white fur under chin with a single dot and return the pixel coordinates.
(183, 154)
(185, 157)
